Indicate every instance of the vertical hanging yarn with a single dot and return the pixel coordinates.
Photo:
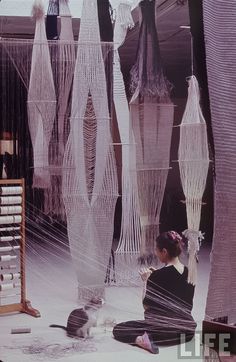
(66, 32)
(147, 77)
(130, 235)
(193, 164)
(63, 55)
(89, 175)
(220, 42)
(152, 121)
(152, 124)
(41, 100)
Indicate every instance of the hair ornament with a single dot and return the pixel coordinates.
(174, 236)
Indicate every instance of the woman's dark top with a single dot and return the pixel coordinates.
(169, 294)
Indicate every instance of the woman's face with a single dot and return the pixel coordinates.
(162, 255)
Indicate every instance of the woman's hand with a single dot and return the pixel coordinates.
(145, 273)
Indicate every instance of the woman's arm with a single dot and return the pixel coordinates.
(145, 274)
(144, 289)
(151, 289)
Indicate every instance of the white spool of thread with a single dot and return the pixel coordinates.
(10, 228)
(7, 257)
(6, 286)
(16, 275)
(10, 238)
(16, 219)
(11, 190)
(10, 210)
(9, 295)
(5, 277)
(10, 200)
(9, 286)
(9, 248)
(10, 276)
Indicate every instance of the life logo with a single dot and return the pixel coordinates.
(205, 346)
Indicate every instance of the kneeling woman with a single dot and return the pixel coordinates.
(168, 301)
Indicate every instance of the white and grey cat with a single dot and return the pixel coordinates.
(81, 320)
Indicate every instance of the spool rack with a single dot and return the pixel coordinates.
(12, 248)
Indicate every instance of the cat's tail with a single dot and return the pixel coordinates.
(58, 326)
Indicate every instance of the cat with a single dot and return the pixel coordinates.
(81, 320)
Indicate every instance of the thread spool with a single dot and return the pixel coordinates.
(10, 200)
(8, 267)
(9, 238)
(10, 276)
(9, 286)
(9, 210)
(7, 257)
(6, 287)
(2, 296)
(10, 228)
(9, 248)
(16, 276)
(14, 190)
(16, 219)
(5, 277)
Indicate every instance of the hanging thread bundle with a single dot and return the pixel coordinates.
(193, 157)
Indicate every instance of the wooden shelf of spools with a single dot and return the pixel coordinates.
(24, 306)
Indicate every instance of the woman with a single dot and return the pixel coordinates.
(168, 301)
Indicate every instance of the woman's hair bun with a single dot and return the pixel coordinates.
(171, 241)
